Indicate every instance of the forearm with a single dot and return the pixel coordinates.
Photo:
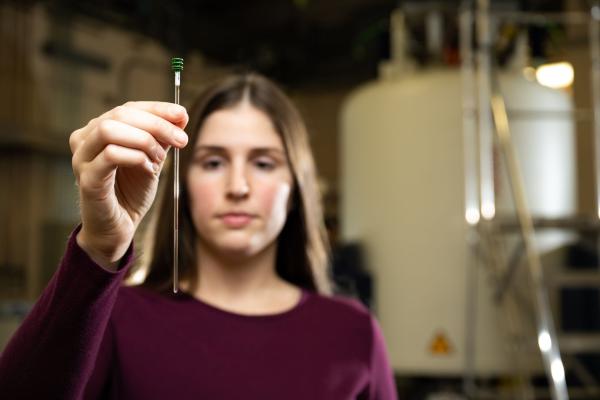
(52, 354)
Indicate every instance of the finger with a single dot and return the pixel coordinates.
(171, 112)
(75, 140)
(116, 132)
(113, 156)
(78, 137)
(174, 113)
(163, 130)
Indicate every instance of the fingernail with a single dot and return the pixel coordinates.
(159, 153)
(176, 110)
(180, 136)
(152, 167)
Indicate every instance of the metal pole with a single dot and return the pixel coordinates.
(594, 32)
(471, 169)
(469, 104)
(547, 338)
(486, 139)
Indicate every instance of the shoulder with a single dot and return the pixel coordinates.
(345, 323)
(339, 305)
(341, 312)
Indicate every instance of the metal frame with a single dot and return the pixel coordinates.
(485, 114)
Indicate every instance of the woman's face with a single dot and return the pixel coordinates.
(239, 182)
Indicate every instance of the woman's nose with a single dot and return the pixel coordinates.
(237, 186)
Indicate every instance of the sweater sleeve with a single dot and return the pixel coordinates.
(381, 385)
(54, 351)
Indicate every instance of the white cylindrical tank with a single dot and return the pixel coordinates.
(543, 135)
(403, 199)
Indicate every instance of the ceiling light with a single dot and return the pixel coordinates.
(555, 75)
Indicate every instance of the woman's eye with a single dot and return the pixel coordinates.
(265, 165)
(211, 164)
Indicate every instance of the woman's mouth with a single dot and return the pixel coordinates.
(236, 220)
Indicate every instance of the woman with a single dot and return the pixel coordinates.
(254, 318)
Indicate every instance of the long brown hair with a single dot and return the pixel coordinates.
(302, 245)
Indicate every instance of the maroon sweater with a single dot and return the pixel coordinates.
(90, 337)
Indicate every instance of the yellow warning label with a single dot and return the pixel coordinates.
(440, 345)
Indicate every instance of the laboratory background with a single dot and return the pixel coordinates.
(457, 145)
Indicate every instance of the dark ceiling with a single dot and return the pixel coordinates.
(295, 41)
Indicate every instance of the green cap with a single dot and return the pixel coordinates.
(177, 64)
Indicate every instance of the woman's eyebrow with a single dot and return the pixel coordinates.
(254, 150)
(267, 150)
(208, 148)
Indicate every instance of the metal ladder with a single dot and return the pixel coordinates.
(484, 116)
